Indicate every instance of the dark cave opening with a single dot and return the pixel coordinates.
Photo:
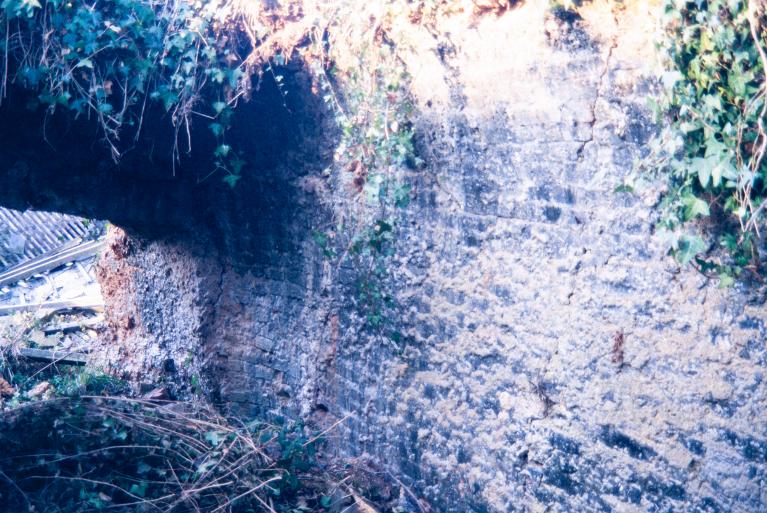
(196, 265)
(54, 162)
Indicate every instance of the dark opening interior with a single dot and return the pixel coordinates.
(55, 163)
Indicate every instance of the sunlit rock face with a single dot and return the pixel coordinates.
(557, 359)
(554, 359)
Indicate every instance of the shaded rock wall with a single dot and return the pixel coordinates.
(179, 232)
(554, 358)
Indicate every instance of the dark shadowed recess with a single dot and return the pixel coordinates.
(58, 163)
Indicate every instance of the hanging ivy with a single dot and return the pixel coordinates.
(712, 147)
(112, 60)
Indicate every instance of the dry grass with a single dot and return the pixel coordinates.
(122, 454)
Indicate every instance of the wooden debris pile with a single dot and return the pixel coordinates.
(50, 302)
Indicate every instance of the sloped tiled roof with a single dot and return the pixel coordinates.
(25, 236)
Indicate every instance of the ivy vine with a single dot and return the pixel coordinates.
(712, 147)
(111, 60)
(373, 109)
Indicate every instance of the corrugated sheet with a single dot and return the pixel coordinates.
(25, 236)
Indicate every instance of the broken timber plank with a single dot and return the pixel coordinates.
(84, 302)
(46, 263)
(74, 326)
(62, 357)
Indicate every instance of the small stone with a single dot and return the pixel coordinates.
(719, 391)
(506, 400)
(39, 389)
(157, 394)
(6, 390)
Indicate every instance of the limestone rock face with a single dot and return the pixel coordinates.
(553, 358)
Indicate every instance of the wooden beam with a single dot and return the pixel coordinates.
(74, 326)
(51, 261)
(62, 357)
(89, 303)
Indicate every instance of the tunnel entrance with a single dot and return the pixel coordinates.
(192, 269)
(55, 162)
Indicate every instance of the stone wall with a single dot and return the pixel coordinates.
(557, 360)
(554, 359)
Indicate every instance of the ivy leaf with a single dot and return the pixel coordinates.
(231, 180)
(712, 104)
(723, 169)
(222, 150)
(78, 105)
(402, 195)
(320, 238)
(214, 437)
(47, 98)
(235, 76)
(63, 98)
(694, 207)
(702, 168)
(688, 247)
(715, 148)
(138, 490)
(217, 129)
(237, 164)
(738, 81)
(218, 75)
(726, 280)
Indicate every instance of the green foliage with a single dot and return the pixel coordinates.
(712, 148)
(293, 451)
(110, 60)
(76, 381)
(63, 381)
(373, 111)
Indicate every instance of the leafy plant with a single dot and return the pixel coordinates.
(110, 60)
(373, 109)
(713, 145)
(75, 381)
(92, 453)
